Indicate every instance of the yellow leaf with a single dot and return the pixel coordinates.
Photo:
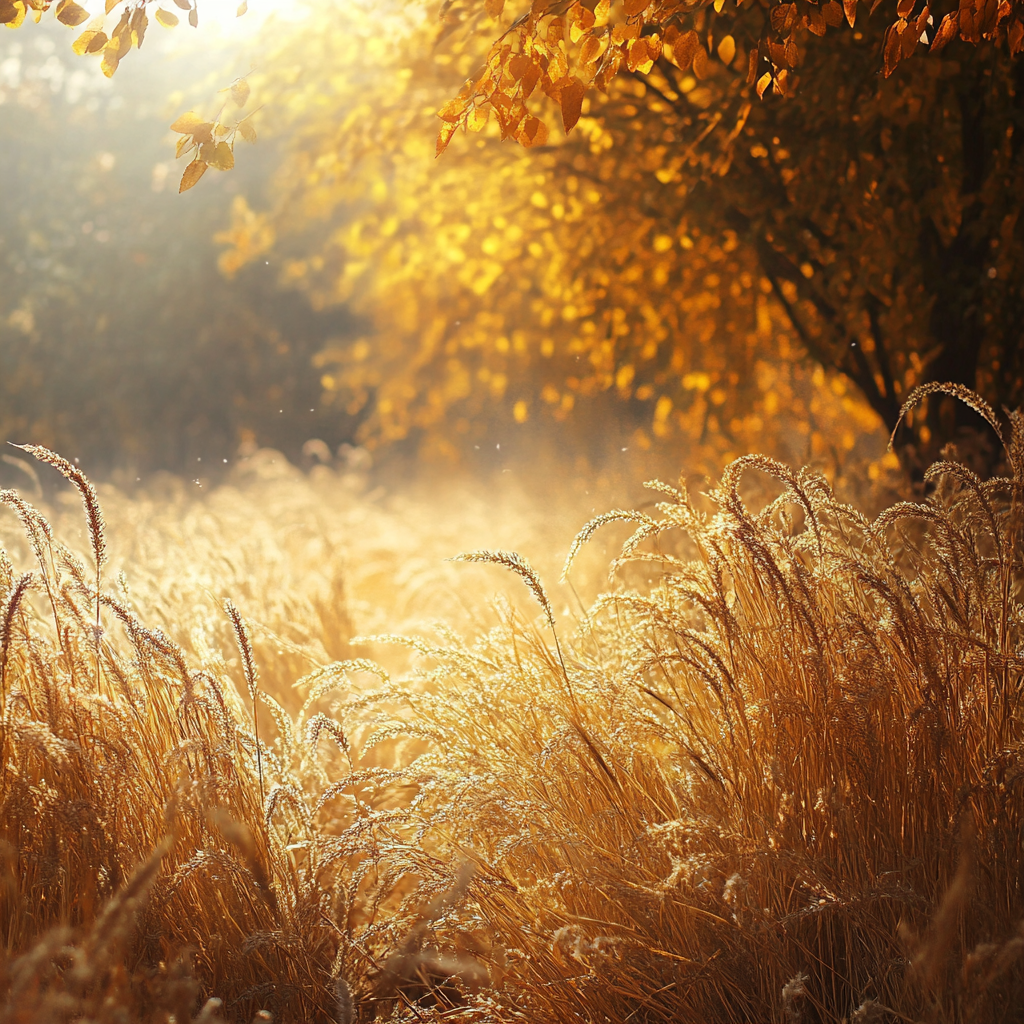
(193, 173)
(139, 24)
(242, 8)
(762, 83)
(166, 18)
(184, 143)
(478, 118)
(223, 157)
(69, 13)
(633, 7)
(444, 136)
(452, 110)
(89, 42)
(571, 101)
(13, 14)
(187, 123)
(240, 91)
(494, 7)
(109, 6)
(111, 58)
(246, 130)
(727, 50)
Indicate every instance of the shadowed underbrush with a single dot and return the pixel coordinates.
(773, 773)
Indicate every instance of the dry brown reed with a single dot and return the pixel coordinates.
(783, 783)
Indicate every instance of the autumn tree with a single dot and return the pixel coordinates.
(741, 182)
(707, 195)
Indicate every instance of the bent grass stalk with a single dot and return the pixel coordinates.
(790, 753)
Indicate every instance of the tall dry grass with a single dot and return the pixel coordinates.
(772, 774)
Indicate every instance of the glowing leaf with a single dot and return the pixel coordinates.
(444, 136)
(166, 19)
(850, 10)
(452, 110)
(193, 18)
(762, 83)
(533, 132)
(242, 8)
(109, 6)
(727, 50)
(571, 102)
(478, 118)
(187, 123)
(494, 7)
(246, 130)
(193, 172)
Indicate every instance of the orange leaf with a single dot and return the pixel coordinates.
(571, 102)
(452, 111)
(444, 136)
(947, 30)
(634, 7)
(637, 54)
(534, 132)
(850, 10)
(700, 62)
(762, 84)
(833, 14)
(891, 49)
(783, 18)
(494, 7)
(727, 50)
(683, 49)
(193, 173)
(590, 49)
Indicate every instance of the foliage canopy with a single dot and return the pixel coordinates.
(743, 185)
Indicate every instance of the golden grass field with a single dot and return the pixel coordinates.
(304, 768)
